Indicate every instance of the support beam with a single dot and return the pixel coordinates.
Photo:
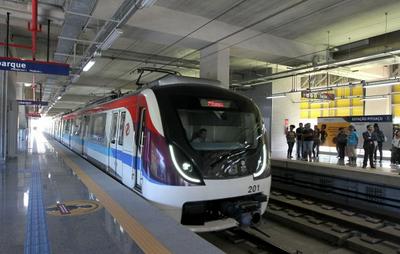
(215, 66)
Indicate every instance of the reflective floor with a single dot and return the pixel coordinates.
(45, 208)
(331, 158)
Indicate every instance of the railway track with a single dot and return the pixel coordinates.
(354, 230)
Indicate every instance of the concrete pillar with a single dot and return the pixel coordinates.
(8, 110)
(3, 103)
(3, 114)
(283, 108)
(378, 107)
(214, 64)
(12, 116)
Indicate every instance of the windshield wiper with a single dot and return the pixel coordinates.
(230, 154)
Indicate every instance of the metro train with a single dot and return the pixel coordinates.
(197, 151)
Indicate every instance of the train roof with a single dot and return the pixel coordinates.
(177, 80)
(164, 82)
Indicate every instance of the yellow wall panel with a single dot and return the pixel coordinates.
(359, 111)
(304, 114)
(316, 105)
(396, 111)
(343, 112)
(304, 105)
(343, 103)
(396, 88)
(396, 99)
(358, 90)
(315, 113)
(357, 102)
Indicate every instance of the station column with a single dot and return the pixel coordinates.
(214, 63)
(3, 104)
(8, 110)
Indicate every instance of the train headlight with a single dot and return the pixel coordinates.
(263, 164)
(183, 166)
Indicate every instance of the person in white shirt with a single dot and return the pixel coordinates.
(396, 148)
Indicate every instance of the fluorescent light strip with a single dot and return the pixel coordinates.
(276, 96)
(373, 99)
(383, 84)
(89, 65)
(114, 35)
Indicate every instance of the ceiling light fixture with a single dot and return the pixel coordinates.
(59, 97)
(111, 38)
(27, 84)
(390, 82)
(374, 98)
(75, 78)
(147, 3)
(89, 65)
(276, 96)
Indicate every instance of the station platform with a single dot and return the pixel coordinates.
(53, 201)
(370, 189)
(331, 159)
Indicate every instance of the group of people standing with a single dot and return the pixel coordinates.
(308, 141)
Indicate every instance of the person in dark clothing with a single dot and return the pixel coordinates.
(317, 141)
(299, 146)
(341, 141)
(291, 139)
(307, 140)
(369, 146)
(324, 134)
(380, 138)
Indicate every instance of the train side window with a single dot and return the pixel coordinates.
(85, 129)
(121, 129)
(98, 126)
(77, 126)
(113, 133)
(66, 126)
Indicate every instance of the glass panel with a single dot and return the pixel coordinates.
(219, 129)
(98, 126)
(114, 119)
(121, 129)
(77, 127)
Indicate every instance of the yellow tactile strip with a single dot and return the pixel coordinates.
(143, 238)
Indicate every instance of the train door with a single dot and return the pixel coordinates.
(113, 143)
(140, 140)
(84, 134)
(70, 123)
(120, 154)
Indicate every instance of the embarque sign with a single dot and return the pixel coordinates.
(40, 67)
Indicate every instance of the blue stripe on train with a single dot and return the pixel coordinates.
(126, 158)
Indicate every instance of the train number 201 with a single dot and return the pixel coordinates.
(254, 188)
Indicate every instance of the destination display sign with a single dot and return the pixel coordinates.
(32, 103)
(40, 67)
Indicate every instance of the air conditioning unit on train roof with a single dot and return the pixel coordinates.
(174, 80)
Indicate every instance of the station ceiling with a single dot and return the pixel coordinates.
(264, 37)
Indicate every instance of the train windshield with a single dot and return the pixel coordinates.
(218, 125)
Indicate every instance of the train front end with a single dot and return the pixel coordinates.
(217, 150)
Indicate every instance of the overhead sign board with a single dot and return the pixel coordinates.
(32, 103)
(40, 67)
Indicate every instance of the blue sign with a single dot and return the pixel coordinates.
(32, 103)
(374, 118)
(14, 64)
